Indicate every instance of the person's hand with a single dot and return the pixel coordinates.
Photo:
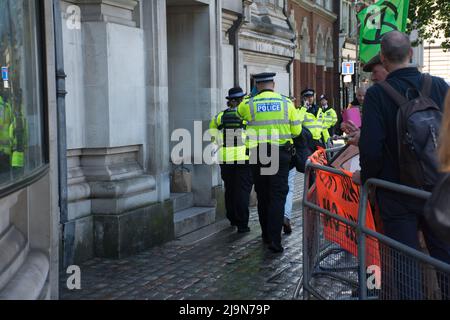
(349, 127)
(353, 138)
(357, 177)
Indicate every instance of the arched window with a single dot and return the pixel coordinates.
(22, 132)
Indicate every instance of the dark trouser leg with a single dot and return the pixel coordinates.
(243, 187)
(440, 251)
(262, 194)
(279, 186)
(5, 168)
(227, 173)
(404, 272)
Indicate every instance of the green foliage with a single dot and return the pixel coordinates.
(431, 19)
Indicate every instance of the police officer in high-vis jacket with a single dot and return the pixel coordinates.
(273, 122)
(228, 131)
(6, 117)
(330, 116)
(18, 132)
(314, 121)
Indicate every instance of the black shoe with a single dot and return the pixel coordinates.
(243, 229)
(276, 248)
(287, 229)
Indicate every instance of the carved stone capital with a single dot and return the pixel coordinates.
(114, 11)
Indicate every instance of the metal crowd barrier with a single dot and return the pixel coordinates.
(331, 272)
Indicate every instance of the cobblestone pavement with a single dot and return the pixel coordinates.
(226, 265)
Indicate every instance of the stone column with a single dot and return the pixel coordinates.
(113, 79)
(115, 207)
(157, 155)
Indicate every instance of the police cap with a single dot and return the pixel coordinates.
(235, 93)
(308, 93)
(264, 77)
(368, 67)
(323, 97)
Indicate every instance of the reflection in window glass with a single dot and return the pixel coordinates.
(21, 110)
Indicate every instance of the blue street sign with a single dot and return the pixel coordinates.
(5, 74)
(348, 68)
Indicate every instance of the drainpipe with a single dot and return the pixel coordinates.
(61, 120)
(294, 40)
(233, 35)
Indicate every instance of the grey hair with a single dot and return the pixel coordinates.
(395, 46)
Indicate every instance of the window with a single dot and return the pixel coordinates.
(21, 87)
(345, 18)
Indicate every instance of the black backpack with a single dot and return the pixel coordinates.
(231, 122)
(418, 125)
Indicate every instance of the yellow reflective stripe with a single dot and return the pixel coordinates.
(265, 137)
(286, 108)
(268, 122)
(314, 127)
(252, 109)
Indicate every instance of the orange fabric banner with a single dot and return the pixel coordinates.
(340, 195)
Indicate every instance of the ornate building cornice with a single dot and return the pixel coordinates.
(115, 11)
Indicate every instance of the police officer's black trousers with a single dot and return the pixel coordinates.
(271, 192)
(238, 185)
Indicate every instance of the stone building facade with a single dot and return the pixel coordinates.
(314, 65)
(127, 78)
(138, 72)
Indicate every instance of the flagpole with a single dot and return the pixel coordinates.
(358, 7)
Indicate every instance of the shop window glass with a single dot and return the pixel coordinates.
(21, 87)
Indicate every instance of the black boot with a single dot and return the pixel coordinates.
(287, 226)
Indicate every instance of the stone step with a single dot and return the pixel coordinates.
(29, 282)
(13, 252)
(182, 201)
(205, 232)
(192, 219)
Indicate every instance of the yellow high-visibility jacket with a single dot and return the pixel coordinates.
(272, 118)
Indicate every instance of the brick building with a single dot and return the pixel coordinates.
(314, 64)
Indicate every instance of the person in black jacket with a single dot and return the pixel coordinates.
(402, 216)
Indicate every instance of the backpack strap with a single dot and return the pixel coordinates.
(394, 94)
(426, 87)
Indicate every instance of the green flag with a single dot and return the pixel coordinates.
(376, 20)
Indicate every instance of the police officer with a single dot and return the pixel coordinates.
(5, 141)
(18, 136)
(313, 122)
(234, 156)
(330, 117)
(272, 123)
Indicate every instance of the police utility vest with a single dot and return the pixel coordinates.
(272, 118)
(314, 123)
(233, 138)
(330, 118)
